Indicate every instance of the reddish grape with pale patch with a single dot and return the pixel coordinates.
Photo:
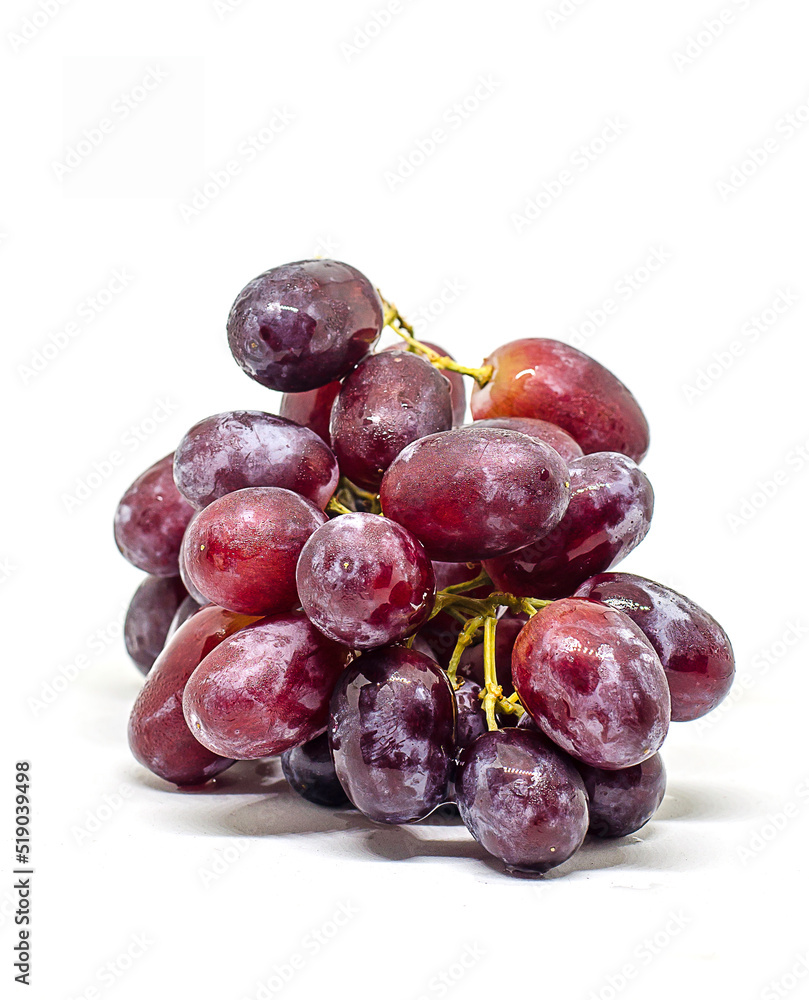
(243, 448)
(241, 551)
(593, 683)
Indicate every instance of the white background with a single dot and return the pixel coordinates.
(710, 886)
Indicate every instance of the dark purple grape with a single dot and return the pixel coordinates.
(693, 647)
(309, 769)
(388, 401)
(474, 493)
(149, 618)
(470, 719)
(241, 448)
(391, 732)
(551, 381)
(471, 665)
(241, 551)
(300, 326)
(457, 383)
(610, 512)
(265, 689)
(365, 581)
(151, 519)
(550, 434)
(158, 735)
(621, 802)
(593, 683)
(524, 803)
(311, 409)
(186, 610)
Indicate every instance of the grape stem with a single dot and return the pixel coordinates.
(336, 507)
(394, 319)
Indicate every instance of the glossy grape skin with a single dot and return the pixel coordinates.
(389, 400)
(471, 665)
(189, 607)
(149, 617)
(265, 689)
(558, 439)
(593, 683)
(302, 325)
(609, 514)
(457, 383)
(151, 519)
(551, 381)
(470, 719)
(158, 735)
(471, 494)
(241, 551)
(693, 647)
(311, 409)
(524, 803)
(621, 802)
(365, 581)
(242, 448)
(309, 769)
(391, 731)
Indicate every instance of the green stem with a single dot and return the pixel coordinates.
(336, 507)
(468, 633)
(482, 580)
(494, 693)
(394, 319)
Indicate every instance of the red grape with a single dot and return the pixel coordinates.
(151, 519)
(551, 381)
(389, 400)
(474, 493)
(457, 383)
(241, 551)
(241, 448)
(302, 325)
(158, 734)
(311, 409)
(550, 434)
(593, 683)
(524, 803)
(265, 689)
(610, 512)
(391, 732)
(693, 647)
(365, 581)
(309, 769)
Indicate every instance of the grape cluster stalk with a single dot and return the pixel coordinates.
(412, 611)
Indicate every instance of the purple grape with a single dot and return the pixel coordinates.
(149, 617)
(388, 401)
(457, 384)
(474, 493)
(621, 802)
(524, 803)
(593, 683)
(151, 519)
(365, 581)
(558, 439)
(300, 326)
(241, 551)
(610, 512)
(242, 448)
(391, 732)
(309, 769)
(470, 719)
(311, 409)
(693, 647)
(158, 735)
(265, 689)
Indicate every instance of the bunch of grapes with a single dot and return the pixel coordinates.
(413, 611)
